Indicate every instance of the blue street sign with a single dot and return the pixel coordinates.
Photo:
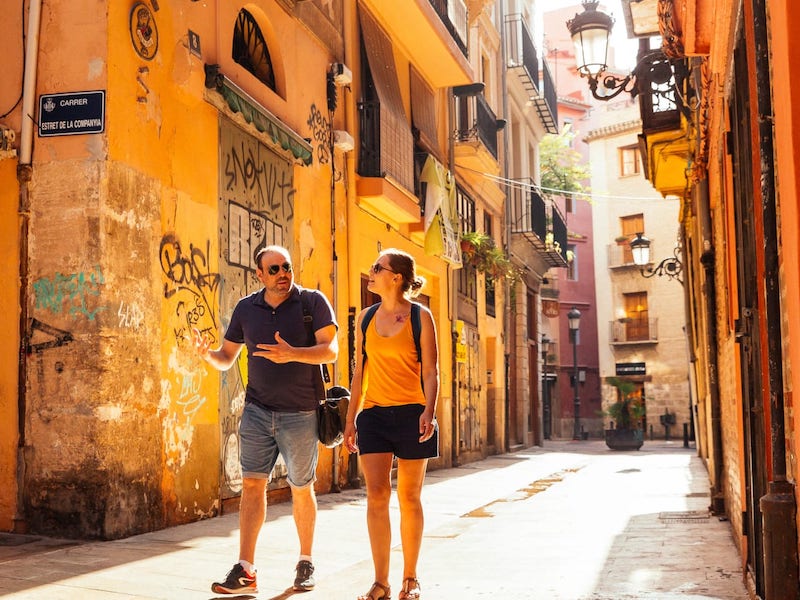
(72, 114)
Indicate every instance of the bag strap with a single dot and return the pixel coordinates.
(308, 320)
(416, 329)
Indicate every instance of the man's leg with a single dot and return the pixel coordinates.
(304, 510)
(252, 513)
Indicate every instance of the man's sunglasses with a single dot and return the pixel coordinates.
(377, 268)
(273, 269)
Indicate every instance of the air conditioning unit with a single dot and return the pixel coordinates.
(343, 140)
(341, 74)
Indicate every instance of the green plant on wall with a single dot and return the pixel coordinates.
(480, 251)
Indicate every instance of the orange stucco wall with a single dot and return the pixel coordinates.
(9, 309)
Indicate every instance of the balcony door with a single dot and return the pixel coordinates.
(637, 327)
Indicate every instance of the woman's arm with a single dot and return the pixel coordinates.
(355, 390)
(430, 374)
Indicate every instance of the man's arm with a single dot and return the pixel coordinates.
(223, 357)
(324, 351)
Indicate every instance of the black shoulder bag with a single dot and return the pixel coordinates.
(333, 402)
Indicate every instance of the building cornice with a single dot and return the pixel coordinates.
(615, 129)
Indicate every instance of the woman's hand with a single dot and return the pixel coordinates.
(350, 437)
(427, 425)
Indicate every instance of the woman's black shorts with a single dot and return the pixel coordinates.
(394, 429)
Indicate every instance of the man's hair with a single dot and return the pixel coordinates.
(273, 248)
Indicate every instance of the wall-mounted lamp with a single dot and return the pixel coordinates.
(590, 31)
(341, 74)
(670, 266)
(343, 141)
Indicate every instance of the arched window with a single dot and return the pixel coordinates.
(250, 50)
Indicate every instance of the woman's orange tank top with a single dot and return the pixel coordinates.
(392, 373)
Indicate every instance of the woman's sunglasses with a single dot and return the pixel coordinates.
(273, 269)
(377, 268)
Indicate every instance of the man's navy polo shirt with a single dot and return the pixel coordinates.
(280, 387)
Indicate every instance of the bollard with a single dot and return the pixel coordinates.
(685, 435)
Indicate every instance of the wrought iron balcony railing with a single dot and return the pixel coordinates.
(538, 220)
(476, 121)
(634, 331)
(453, 14)
(523, 61)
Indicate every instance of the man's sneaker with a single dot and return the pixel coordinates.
(237, 581)
(305, 576)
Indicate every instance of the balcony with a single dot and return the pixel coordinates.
(539, 221)
(475, 148)
(634, 331)
(434, 34)
(476, 123)
(385, 168)
(523, 63)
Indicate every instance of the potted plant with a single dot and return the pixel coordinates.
(479, 250)
(626, 416)
(622, 240)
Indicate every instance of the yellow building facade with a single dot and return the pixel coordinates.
(155, 147)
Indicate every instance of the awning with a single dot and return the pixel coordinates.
(259, 117)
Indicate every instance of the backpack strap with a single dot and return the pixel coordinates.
(364, 322)
(416, 329)
(308, 320)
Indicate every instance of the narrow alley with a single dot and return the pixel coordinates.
(570, 521)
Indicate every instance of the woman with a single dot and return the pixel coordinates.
(393, 413)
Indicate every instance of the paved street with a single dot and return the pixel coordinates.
(571, 521)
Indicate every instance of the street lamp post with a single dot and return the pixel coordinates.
(545, 399)
(574, 318)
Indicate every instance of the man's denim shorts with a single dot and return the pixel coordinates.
(394, 429)
(264, 433)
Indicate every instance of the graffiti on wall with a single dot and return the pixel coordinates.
(43, 336)
(192, 285)
(248, 232)
(320, 134)
(256, 208)
(191, 290)
(73, 294)
(253, 177)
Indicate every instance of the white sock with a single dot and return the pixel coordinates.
(249, 567)
(304, 557)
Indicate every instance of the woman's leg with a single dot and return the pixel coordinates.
(377, 474)
(410, 477)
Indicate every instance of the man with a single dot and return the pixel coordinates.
(280, 404)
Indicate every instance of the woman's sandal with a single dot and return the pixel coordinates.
(411, 589)
(377, 587)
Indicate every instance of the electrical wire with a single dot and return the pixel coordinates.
(513, 183)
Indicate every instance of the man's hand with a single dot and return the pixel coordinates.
(279, 352)
(201, 343)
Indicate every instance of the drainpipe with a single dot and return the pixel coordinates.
(707, 260)
(24, 173)
(778, 506)
(453, 293)
(508, 317)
